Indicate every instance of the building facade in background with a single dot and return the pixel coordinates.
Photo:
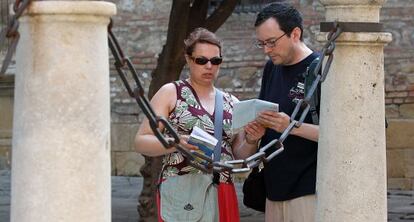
(141, 28)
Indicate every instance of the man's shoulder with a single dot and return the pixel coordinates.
(311, 57)
(269, 65)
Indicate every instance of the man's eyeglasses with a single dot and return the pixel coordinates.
(268, 43)
(203, 60)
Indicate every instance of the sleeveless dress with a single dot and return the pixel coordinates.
(189, 112)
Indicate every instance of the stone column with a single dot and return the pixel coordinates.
(61, 132)
(351, 180)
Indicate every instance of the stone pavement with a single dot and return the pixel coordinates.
(125, 193)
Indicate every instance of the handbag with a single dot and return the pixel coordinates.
(189, 197)
(254, 190)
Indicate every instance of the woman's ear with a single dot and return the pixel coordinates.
(187, 58)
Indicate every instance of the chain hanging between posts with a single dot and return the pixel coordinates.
(124, 65)
(11, 32)
(201, 161)
(303, 105)
(195, 159)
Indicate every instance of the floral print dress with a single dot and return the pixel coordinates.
(189, 112)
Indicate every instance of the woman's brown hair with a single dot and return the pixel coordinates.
(200, 35)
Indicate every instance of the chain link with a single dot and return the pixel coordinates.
(302, 105)
(11, 32)
(160, 124)
(203, 162)
(157, 123)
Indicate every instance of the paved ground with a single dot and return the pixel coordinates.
(125, 193)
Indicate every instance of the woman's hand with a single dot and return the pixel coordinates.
(184, 142)
(253, 132)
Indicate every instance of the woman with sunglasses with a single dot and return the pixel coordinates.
(191, 102)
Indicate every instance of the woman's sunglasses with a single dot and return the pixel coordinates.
(203, 60)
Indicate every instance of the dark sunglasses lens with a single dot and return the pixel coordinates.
(201, 60)
(216, 60)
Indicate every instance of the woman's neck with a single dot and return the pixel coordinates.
(201, 89)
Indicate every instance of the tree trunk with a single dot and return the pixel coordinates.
(184, 17)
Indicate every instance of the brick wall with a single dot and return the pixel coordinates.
(142, 30)
(141, 27)
(399, 88)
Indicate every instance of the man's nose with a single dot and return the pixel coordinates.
(266, 49)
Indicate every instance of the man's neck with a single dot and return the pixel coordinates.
(301, 51)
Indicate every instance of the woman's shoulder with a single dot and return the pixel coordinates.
(229, 97)
(167, 88)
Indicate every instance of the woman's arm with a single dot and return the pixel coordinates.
(163, 103)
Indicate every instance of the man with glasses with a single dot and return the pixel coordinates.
(290, 177)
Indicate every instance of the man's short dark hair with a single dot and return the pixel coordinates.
(286, 15)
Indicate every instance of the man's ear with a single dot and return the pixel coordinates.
(295, 34)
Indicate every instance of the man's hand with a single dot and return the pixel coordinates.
(277, 121)
(253, 132)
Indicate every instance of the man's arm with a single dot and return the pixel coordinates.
(307, 131)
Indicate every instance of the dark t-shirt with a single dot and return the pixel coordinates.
(292, 173)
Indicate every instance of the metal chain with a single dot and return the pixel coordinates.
(158, 123)
(203, 162)
(123, 65)
(11, 32)
(302, 105)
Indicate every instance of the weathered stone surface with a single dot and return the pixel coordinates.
(400, 133)
(409, 162)
(61, 128)
(141, 27)
(246, 73)
(400, 183)
(396, 164)
(407, 110)
(6, 113)
(5, 156)
(392, 111)
(122, 136)
(128, 163)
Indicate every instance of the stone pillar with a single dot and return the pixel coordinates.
(61, 145)
(351, 180)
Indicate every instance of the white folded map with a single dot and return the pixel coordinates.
(247, 111)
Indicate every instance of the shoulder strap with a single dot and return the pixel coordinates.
(218, 130)
(309, 78)
(218, 123)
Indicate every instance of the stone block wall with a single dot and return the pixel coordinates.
(141, 27)
(400, 154)
(6, 120)
(399, 90)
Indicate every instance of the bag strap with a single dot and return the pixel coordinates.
(218, 130)
(218, 123)
(309, 78)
